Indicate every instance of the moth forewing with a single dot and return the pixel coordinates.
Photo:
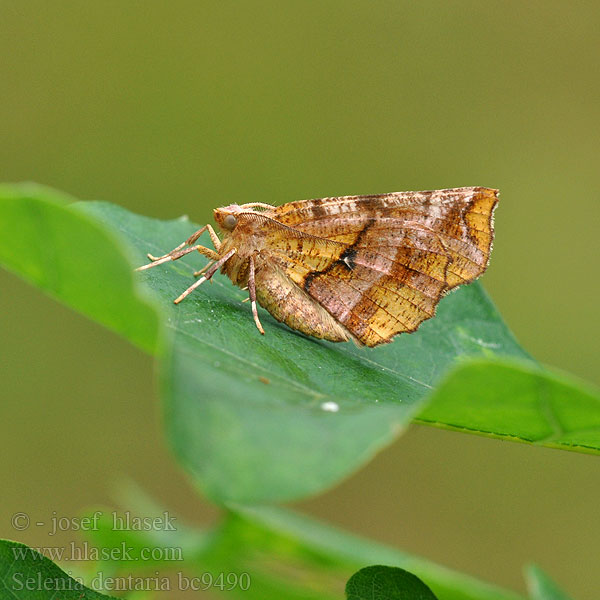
(354, 267)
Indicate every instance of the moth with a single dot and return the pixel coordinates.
(361, 268)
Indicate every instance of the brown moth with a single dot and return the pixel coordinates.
(353, 267)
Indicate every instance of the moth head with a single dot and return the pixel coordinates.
(226, 216)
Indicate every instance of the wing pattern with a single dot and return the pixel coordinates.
(380, 264)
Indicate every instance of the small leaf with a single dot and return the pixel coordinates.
(386, 583)
(285, 554)
(541, 587)
(28, 575)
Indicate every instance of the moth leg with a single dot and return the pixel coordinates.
(206, 266)
(176, 254)
(252, 292)
(213, 236)
(209, 273)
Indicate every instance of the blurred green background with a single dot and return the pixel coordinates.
(172, 108)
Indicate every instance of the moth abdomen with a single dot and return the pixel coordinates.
(290, 304)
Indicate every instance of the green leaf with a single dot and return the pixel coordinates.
(332, 554)
(45, 240)
(281, 416)
(386, 583)
(518, 401)
(286, 555)
(27, 574)
(541, 587)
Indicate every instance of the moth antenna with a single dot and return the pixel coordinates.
(257, 205)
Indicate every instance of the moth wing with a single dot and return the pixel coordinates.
(372, 297)
(380, 264)
(460, 218)
(378, 290)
